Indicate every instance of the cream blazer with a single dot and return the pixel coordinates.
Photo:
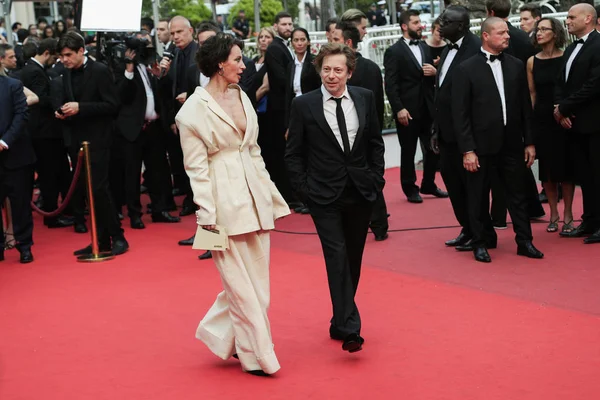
(227, 173)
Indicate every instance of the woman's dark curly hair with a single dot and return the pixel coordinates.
(560, 36)
(214, 51)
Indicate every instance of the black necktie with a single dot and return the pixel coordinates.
(579, 41)
(413, 43)
(341, 120)
(453, 46)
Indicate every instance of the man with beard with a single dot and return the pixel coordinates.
(454, 27)
(491, 110)
(409, 84)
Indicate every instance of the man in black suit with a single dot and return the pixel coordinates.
(16, 165)
(491, 110)
(139, 139)
(578, 105)
(366, 75)
(52, 162)
(454, 27)
(8, 59)
(521, 47)
(90, 104)
(409, 84)
(335, 160)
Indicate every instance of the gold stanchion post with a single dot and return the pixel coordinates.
(96, 254)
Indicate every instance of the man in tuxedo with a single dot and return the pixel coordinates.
(335, 160)
(454, 27)
(409, 84)
(52, 162)
(521, 47)
(8, 59)
(89, 105)
(366, 75)
(491, 110)
(578, 103)
(16, 165)
(530, 14)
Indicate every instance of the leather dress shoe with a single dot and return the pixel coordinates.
(543, 197)
(582, 230)
(121, 217)
(80, 227)
(469, 246)
(302, 210)
(171, 207)
(59, 222)
(481, 254)
(86, 251)
(119, 246)
(187, 210)
(137, 223)
(414, 198)
(178, 192)
(528, 250)
(26, 256)
(437, 192)
(595, 238)
(258, 372)
(460, 240)
(165, 217)
(381, 238)
(352, 343)
(205, 256)
(187, 242)
(143, 189)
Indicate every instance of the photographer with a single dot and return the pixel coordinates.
(90, 104)
(139, 135)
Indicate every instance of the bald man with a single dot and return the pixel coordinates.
(492, 119)
(578, 105)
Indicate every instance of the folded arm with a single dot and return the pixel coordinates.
(20, 115)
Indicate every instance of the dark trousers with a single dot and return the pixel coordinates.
(455, 179)
(379, 218)
(149, 148)
(271, 140)
(181, 180)
(499, 200)
(512, 172)
(408, 136)
(17, 186)
(108, 224)
(586, 153)
(54, 174)
(342, 227)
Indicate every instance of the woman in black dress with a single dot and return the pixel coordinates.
(551, 142)
(435, 42)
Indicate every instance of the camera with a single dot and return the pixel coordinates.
(115, 45)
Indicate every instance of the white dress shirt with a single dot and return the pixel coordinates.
(298, 75)
(37, 62)
(573, 55)
(496, 67)
(449, 59)
(416, 50)
(350, 114)
(150, 114)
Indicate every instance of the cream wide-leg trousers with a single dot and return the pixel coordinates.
(237, 322)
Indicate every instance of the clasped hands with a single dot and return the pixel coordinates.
(565, 122)
(67, 110)
(471, 161)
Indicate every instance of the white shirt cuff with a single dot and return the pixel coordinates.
(129, 75)
(3, 144)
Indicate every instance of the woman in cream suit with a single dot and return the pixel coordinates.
(218, 130)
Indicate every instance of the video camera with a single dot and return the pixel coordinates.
(114, 46)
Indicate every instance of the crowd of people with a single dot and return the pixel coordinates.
(246, 141)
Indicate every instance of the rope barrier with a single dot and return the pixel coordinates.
(70, 192)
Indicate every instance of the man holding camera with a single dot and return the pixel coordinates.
(89, 105)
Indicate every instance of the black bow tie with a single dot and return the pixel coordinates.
(453, 46)
(579, 41)
(499, 57)
(413, 43)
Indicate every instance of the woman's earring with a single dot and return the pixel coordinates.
(221, 72)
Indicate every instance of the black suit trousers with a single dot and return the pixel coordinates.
(54, 174)
(408, 136)
(181, 180)
(271, 139)
(342, 227)
(499, 201)
(585, 151)
(512, 172)
(17, 186)
(455, 179)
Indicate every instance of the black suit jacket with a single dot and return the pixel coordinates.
(405, 84)
(520, 44)
(309, 81)
(132, 94)
(579, 96)
(13, 126)
(444, 122)
(316, 163)
(277, 59)
(368, 75)
(42, 123)
(98, 106)
(477, 107)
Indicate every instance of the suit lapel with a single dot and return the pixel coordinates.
(410, 53)
(361, 110)
(316, 109)
(584, 47)
(67, 84)
(87, 73)
(216, 108)
(443, 57)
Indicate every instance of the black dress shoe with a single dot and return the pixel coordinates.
(582, 230)
(302, 210)
(119, 246)
(258, 372)
(528, 250)
(26, 257)
(80, 227)
(205, 256)
(352, 343)
(469, 246)
(59, 222)
(481, 254)
(542, 196)
(143, 189)
(381, 238)
(595, 238)
(86, 251)
(460, 240)
(437, 192)
(178, 192)
(414, 198)
(137, 223)
(187, 210)
(121, 217)
(187, 242)
(165, 217)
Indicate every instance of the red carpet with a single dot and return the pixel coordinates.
(437, 324)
